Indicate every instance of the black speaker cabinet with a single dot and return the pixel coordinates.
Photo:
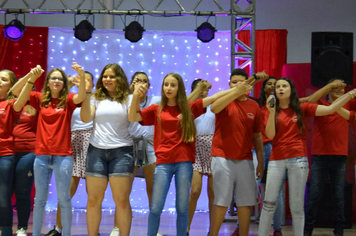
(325, 217)
(331, 57)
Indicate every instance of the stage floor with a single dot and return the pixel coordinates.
(200, 225)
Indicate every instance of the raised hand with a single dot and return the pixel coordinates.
(140, 89)
(36, 72)
(243, 88)
(78, 68)
(338, 84)
(261, 76)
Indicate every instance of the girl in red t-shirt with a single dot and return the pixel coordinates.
(285, 125)
(53, 142)
(174, 136)
(10, 110)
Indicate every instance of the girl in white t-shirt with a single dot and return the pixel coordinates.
(110, 153)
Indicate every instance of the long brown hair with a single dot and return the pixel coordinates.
(187, 123)
(294, 103)
(122, 86)
(13, 80)
(63, 94)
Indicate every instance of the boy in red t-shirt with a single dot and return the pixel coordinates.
(238, 124)
(328, 158)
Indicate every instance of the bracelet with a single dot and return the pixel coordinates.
(254, 75)
(88, 92)
(30, 82)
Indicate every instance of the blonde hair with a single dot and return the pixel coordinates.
(186, 121)
(122, 86)
(46, 92)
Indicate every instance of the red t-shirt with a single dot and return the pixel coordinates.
(25, 131)
(331, 133)
(264, 110)
(8, 117)
(353, 123)
(288, 141)
(167, 142)
(53, 127)
(235, 126)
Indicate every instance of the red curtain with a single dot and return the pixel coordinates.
(271, 51)
(22, 55)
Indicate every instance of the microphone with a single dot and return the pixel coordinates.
(272, 101)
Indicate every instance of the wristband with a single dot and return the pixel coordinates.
(30, 82)
(254, 75)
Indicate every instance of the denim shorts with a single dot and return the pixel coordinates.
(105, 163)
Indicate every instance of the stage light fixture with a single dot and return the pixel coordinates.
(206, 32)
(83, 31)
(14, 30)
(134, 31)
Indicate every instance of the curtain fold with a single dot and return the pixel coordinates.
(271, 51)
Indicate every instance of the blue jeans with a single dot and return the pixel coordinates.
(23, 182)
(322, 167)
(62, 167)
(7, 167)
(183, 172)
(297, 170)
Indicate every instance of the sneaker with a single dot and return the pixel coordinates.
(159, 234)
(277, 233)
(21, 232)
(236, 232)
(53, 232)
(115, 232)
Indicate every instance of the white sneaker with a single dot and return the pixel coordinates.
(21, 232)
(159, 234)
(115, 232)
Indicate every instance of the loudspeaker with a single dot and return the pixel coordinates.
(331, 57)
(325, 217)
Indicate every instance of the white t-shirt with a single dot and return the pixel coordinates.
(111, 125)
(77, 123)
(145, 131)
(205, 123)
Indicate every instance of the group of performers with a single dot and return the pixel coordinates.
(105, 135)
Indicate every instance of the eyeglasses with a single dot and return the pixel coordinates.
(59, 79)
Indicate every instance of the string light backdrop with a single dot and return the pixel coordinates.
(157, 53)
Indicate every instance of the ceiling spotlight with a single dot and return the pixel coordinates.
(206, 32)
(133, 32)
(84, 30)
(14, 30)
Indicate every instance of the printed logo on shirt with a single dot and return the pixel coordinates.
(58, 109)
(2, 110)
(250, 116)
(29, 111)
(295, 119)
